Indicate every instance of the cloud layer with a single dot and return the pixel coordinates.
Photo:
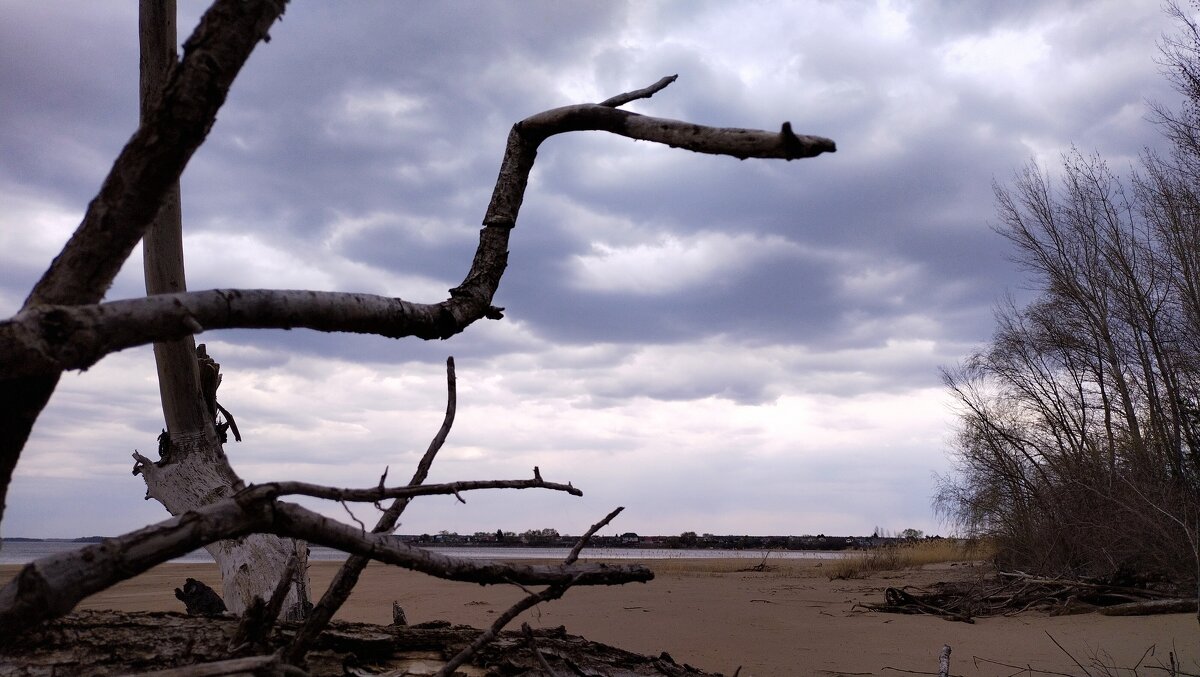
(724, 346)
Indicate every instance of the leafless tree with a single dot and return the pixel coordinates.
(1079, 443)
(64, 324)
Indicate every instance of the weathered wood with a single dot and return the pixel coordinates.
(251, 666)
(134, 190)
(53, 585)
(248, 566)
(1152, 607)
(1006, 593)
(108, 642)
(95, 332)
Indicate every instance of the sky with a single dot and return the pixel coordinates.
(724, 346)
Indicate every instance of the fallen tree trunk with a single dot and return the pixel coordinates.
(111, 642)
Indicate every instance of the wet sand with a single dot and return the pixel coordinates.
(789, 620)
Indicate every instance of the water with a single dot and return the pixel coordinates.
(22, 552)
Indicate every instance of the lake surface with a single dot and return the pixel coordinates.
(22, 552)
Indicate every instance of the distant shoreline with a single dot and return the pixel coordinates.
(819, 543)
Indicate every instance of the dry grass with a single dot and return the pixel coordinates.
(907, 556)
(703, 567)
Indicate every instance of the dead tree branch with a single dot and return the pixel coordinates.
(347, 576)
(75, 333)
(75, 336)
(140, 179)
(175, 124)
(528, 602)
(276, 489)
(52, 586)
(47, 339)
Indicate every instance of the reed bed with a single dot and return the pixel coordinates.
(907, 556)
(711, 566)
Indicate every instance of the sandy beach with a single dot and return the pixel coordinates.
(789, 620)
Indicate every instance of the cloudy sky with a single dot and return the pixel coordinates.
(720, 346)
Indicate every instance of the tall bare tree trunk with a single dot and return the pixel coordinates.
(193, 469)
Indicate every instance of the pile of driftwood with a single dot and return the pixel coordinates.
(1011, 592)
(177, 645)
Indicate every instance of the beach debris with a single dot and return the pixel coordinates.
(199, 599)
(398, 617)
(1008, 593)
(114, 642)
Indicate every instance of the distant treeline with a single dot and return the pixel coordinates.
(688, 541)
(84, 539)
(542, 539)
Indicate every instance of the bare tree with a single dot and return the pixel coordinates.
(63, 325)
(1079, 445)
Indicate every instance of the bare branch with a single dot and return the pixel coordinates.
(272, 490)
(643, 93)
(347, 576)
(583, 540)
(529, 601)
(44, 340)
(150, 164)
(134, 190)
(525, 137)
(551, 593)
(53, 585)
(48, 339)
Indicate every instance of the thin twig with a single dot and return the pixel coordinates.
(1068, 653)
(347, 576)
(550, 593)
(361, 527)
(532, 599)
(583, 540)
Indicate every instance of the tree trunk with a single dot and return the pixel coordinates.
(193, 469)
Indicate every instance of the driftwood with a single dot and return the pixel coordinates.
(1157, 606)
(62, 325)
(1008, 593)
(109, 642)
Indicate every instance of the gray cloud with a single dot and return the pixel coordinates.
(358, 150)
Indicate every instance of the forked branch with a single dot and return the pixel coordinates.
(53, 585)
(528, 602)
(52, 338)
(347, 576)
